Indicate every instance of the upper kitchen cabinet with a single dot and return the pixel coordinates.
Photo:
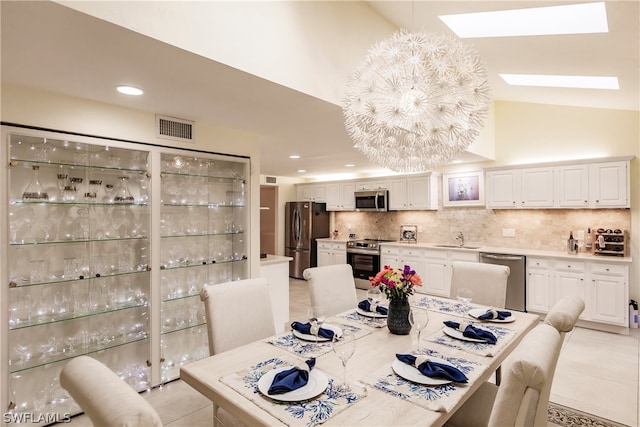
(311, 192)
(340, 196)
(520, 188)
(567, 185)
(414, 192)
(372, 184)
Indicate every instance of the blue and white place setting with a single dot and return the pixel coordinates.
(492, 315)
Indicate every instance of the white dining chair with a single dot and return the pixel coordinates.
(332, 288)
(487, 281)
(523, 396)
(565, 314)
(237, 313)
(104, 397)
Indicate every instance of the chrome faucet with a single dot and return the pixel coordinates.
(461, 238)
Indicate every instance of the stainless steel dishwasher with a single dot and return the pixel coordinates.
(516, 284)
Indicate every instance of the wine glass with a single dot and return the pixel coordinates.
(374, 296)
(316, 319)
(465, 296)
(344, 347)
(419, 320)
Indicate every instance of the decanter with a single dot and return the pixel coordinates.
(123, 195)
(34, 191)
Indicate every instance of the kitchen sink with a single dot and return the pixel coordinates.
(457, 246)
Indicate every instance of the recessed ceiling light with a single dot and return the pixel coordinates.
(129, 90)
(456, 161)
(567, 19)
(349, 165)
(294, 156)
(302, 170)
(583, 82)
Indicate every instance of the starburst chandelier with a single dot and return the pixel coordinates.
(416, 101)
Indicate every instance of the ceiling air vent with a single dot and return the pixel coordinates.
(270, 180)
(172, 128)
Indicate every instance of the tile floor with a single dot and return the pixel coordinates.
(597, 373)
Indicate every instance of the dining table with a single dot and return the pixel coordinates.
(377, 394)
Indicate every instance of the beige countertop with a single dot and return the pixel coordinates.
(275, 259)
(583, 256)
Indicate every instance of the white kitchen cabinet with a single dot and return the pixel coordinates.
(340, 196)
(538, 285)
(311, 192)
(414, 193)
(608, 294)
(109, 245)
(520, 188)
(570, 279)
(372, 184)
(609, 184)
(331, 253)
(435, 276)
(572, 186)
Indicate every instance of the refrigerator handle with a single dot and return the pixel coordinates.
(296, 226)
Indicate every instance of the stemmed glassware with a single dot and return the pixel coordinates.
(464, 295)
(344, 347)
(316, 319)
(374, 296)
(419, 319)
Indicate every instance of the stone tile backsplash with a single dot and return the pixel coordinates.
(545, 229)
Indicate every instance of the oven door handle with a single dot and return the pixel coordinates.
(362, 252)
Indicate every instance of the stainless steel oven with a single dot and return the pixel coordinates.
(364, 258)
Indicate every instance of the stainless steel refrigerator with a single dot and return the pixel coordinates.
(304, 223)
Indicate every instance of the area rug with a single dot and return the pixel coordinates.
(569, 417)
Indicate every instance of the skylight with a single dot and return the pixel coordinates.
(568, 19)
(583, 82)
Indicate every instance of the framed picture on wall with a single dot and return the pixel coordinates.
(463, 189)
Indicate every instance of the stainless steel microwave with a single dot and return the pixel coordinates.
(374, 201)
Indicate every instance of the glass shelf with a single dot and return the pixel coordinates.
(106, 169)
(48, 321)
(203, 263)
(14, 284)
(210, 178)
(57, 242)
(75, 203)
(181, 297)
(183, 328)
(229, 233)
(59, 357)
(204, 205)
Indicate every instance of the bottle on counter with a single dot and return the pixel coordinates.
(588, 243)
(571, 244)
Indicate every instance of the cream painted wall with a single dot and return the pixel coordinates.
(304, 45)
(35, 108)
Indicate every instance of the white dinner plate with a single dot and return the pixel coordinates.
(412, 373)
(308, 337)
(317, 383)
(454, 333)
(477, 312)
(370, 313)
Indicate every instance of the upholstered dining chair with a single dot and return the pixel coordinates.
(487, 281)
(237, 313)
(104, 397)
(523, 396)
(565, 313)
(332, 288)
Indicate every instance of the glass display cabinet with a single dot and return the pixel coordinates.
(108, 245)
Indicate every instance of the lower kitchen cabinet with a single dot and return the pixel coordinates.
(331, 253)
(603, 286)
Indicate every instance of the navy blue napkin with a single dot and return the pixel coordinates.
(434, 369)
(305, 328)
(291, 379)
(494, 314)
(366, 306)
(471, 331)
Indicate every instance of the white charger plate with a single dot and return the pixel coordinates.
(454, 333)
(317, 383)
(308, 337)
(477, 312)
(412, 373)
(375, 315)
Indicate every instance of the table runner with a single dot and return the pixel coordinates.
(307, 413)
(308, 349)
(440, 398)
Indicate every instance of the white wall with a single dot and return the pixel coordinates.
(35, 108)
